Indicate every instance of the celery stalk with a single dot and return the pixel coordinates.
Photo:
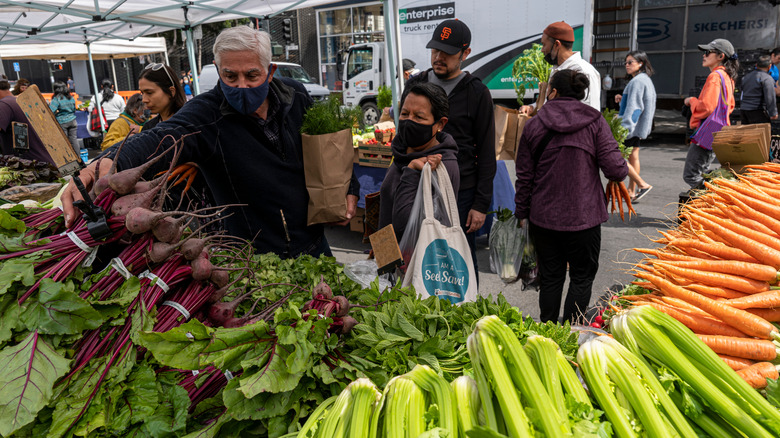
(483, 385)
(571, 383)
(543, 355)
(517, 423)
(467, 400)
(667, 342)
(315, 417)
(440, 393)
(527, 381)
(593, 365)
(365, 397)
(334, 423)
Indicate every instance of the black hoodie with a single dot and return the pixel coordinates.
(399, 187)
(471, 124)
(241, 167)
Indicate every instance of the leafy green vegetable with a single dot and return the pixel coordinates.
(529, 68)
(619, 132)
(384, 97)
(59, 310)
(329, 116)
(30, 369)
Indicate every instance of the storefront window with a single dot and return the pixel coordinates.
(335, 22)
(340, 28)
(368, 19)
(330, 47)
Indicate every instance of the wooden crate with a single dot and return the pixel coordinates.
(375, 155)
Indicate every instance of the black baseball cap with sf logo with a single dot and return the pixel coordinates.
(450, 36)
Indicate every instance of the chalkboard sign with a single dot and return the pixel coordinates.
(21, 138)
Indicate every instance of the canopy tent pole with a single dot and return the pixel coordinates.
(167, 62)
(398, 52)
(390, 44)
(97, 97)
(193, 66)
(113, 73)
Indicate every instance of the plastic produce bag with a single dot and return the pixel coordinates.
(364, 272)
(507, 244)
(529, 269)
(412, 232)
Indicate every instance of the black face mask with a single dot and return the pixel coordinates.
(549, 59)
(413, 134)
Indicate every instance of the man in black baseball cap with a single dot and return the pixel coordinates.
(471, 123)
(450, 36)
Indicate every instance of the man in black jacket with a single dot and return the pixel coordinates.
(247, 145)
(470, 123)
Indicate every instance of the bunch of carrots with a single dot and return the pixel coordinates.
(617, 193)
(717, 273)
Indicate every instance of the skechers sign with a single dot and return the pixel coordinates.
(444, 271)
(414, 20)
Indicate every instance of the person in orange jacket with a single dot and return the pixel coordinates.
(719, 56)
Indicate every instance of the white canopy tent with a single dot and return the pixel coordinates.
(88, 22)
(102, 49)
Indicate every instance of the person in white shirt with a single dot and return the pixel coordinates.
(557, 43)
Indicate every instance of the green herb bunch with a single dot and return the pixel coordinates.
(529, 66)
(619, 132)
(384, 97)
(329, 116)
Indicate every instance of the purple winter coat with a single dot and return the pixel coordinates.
(563, 191)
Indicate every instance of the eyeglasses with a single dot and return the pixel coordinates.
(709, 52)
(631, 62)
(159, 65)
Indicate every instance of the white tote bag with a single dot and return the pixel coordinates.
(441, 264)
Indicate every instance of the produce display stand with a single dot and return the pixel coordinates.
(44, 123)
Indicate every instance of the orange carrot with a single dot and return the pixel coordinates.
(755, 271)
(735, 282)
(699, 324)
(666, 255)
(764, 300)
(742, 230)
(756, 375)
(760, 205)
(736, 363)
(753, 349)
(721, 292)
(744, 188)
(713, 249)
(626, 197)
(680, 304)
(765, 254)
(762, 223)
(749, 212)
(771, 315)
(739, 319)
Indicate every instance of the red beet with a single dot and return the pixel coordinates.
(161, 251)
(124, 182)
(201, 269)
(124, 204)
(169, 229)
(342, 305)
(220, 277)
(322, 289)
(348, 323)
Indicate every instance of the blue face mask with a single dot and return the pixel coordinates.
(246, 100)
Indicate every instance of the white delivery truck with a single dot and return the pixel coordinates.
(500, 31)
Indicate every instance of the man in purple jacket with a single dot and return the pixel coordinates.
(559, 191)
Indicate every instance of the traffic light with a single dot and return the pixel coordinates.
(287, 30)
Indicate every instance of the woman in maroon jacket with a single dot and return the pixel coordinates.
(559, 191)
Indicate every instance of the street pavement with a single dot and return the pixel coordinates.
(662, 160)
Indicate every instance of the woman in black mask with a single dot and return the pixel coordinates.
(419, 140)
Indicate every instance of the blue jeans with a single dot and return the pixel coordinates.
(465, 201)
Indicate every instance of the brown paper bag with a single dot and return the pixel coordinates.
(542, 96)
(327, 166)
(509, 127)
